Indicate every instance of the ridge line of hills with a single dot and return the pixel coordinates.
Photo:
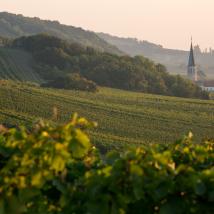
(13, 26)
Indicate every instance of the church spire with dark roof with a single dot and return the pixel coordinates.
(192, 71)
(191, 56)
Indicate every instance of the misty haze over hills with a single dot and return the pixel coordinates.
(174, 60)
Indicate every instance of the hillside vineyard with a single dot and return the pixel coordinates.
(97, 124)
(124, 118)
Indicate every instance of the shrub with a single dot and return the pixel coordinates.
(57, 170)
(72, 81)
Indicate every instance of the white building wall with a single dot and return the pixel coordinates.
(209, 89)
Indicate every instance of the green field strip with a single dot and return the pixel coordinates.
(124, 118)
(119, 109)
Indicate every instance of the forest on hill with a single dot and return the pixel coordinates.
(13, 26)
(57, 59)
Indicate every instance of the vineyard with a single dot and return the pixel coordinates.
(124, 118)
(57, 170)
(17, 65)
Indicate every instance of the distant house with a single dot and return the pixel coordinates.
(208, 86)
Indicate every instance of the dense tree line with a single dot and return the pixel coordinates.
(58, 58)
(72, 81)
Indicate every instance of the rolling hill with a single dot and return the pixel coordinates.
(124, 118)
(56, 60)
(13, 26)
(174, 60)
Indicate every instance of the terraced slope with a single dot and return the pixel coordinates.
(124, 118)
(17, 65)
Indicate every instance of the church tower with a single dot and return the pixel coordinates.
(192, 71)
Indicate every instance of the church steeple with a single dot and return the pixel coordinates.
(191, 56)
(192, 72)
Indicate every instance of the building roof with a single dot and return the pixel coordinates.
(209, 83)
(191, 57)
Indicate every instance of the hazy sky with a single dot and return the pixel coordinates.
(167, 22)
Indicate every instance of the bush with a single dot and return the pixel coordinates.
(58, 170)
(72, 81)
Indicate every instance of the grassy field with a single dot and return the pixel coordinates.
(16, 65)
(124, 118)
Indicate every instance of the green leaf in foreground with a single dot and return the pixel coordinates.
(57, 170)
